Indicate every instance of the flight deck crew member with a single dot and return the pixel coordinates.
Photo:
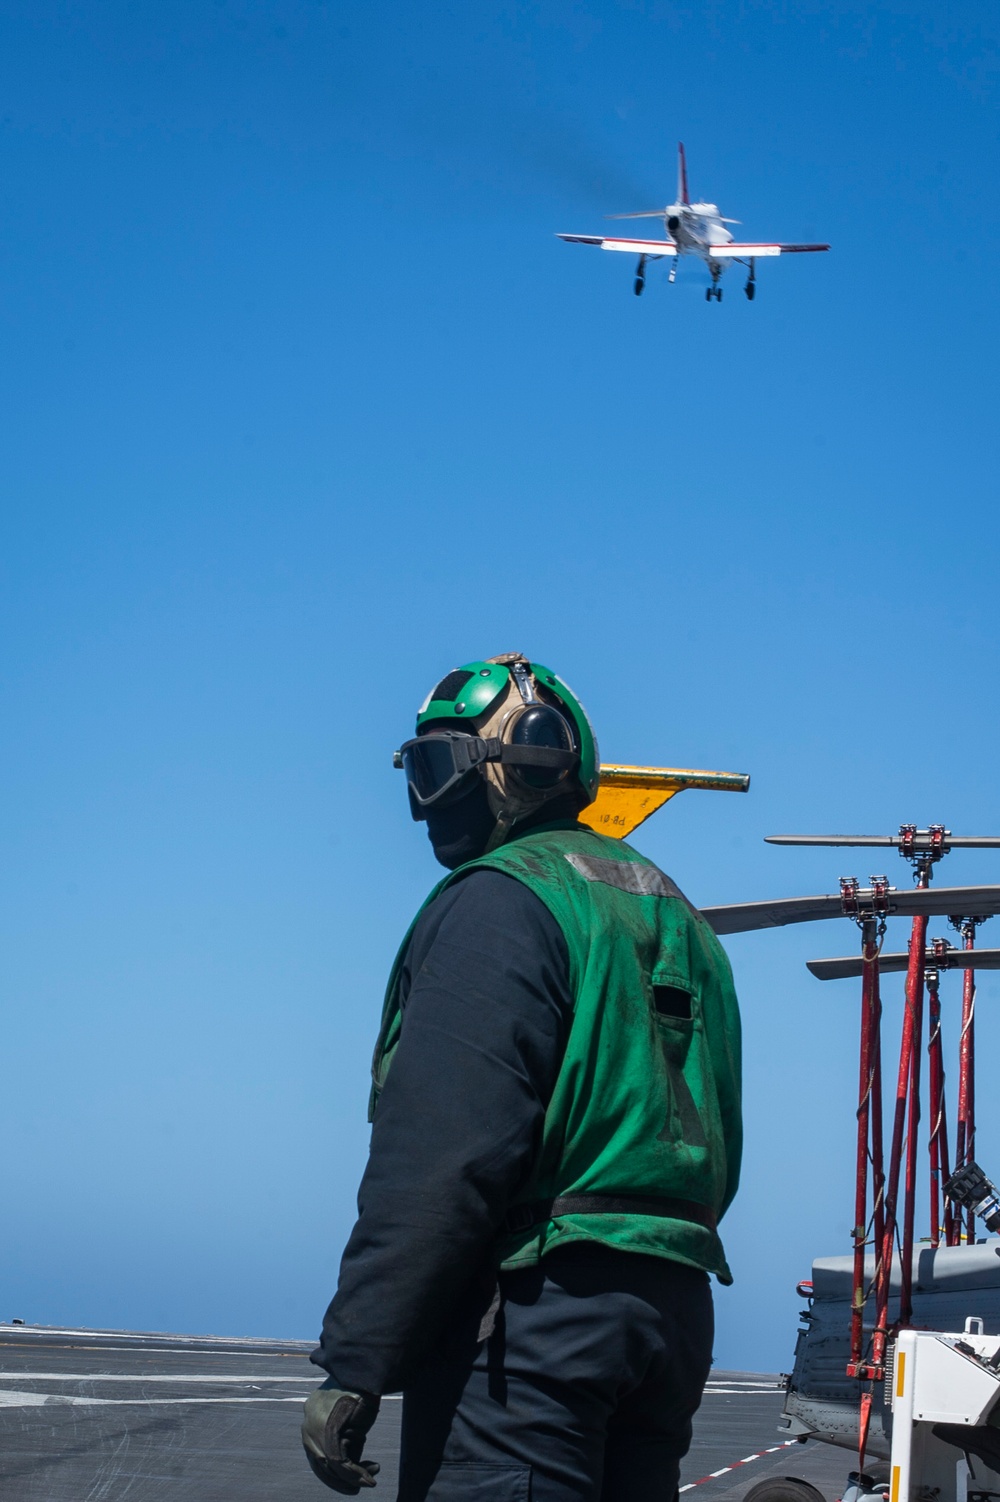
(555, 1136)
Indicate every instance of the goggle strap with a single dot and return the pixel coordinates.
(490, 749)
(477, 749)
(537, 756)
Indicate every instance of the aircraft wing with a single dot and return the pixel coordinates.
(936, 902)
(734, 250)
(649, 248)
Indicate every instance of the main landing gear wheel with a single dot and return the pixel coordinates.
(750, 289)
(784, 1489)
(640, 282)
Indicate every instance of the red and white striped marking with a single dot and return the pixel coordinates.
(771, 1450)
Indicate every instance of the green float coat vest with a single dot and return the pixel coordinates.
(647, 1100)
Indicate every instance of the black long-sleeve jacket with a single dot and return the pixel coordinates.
(486, 1007)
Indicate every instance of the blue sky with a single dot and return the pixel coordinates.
(304, 404)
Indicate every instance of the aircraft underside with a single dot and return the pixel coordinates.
(715, 271)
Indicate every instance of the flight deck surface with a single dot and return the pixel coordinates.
(115, 1415)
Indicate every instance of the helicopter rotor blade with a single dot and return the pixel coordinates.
(953, 842)
(746, 917)
(950, 959)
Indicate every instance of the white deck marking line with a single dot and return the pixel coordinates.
(240, 1380)
(240, 1377)
(60, 1400)
(41, 1332)
(713, 1475)
(718, 1382)
(171, 1351)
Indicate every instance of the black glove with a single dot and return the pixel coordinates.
(333, 1433)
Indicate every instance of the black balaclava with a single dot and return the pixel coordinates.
(461, 830)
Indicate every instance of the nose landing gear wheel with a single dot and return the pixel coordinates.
(708, 293)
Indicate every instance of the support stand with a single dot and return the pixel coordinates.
(872, 921)
(937, 1138)
(965, 1126)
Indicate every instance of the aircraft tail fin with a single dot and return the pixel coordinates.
(682, 175)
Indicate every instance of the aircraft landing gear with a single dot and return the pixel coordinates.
(714, 271)
(711, 292)
(640, 276)
(751, 286)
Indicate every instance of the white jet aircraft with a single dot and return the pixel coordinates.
(695, 229)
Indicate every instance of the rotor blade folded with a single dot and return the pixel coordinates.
(957, 841)
(951, 959)
(745, 917)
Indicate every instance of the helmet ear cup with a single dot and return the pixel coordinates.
(540, 725)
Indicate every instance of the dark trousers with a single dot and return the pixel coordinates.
(584, 1391)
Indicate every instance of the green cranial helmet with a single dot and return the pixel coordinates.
(511, 721)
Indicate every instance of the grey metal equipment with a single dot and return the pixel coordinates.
(939, 958)
(971, 1188)
(822, 1401)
